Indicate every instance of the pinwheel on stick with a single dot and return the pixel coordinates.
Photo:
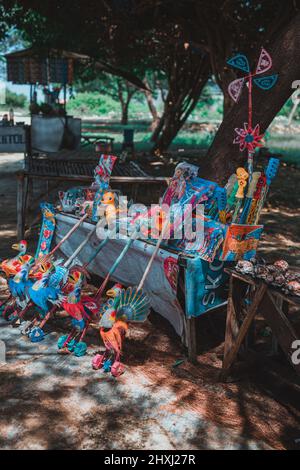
(249, 136)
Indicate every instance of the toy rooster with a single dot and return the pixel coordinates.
(13, 265)
(17, 286)
(130, 305)
(73, 304)
(44, 292)
(34, 291)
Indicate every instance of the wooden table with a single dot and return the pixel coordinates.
(270, 303)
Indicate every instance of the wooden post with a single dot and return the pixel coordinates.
(191, 339)
(232, 352)
(30, 192)
(232, 319)
(25, 195)
(280, 326)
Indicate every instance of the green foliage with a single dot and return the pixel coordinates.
(15, 100)
(96, 104)
(93, 103)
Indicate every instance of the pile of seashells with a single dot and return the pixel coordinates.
(276, 274)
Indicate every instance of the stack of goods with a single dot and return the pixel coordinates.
(277, 275)
(229, 221)
(242, 212)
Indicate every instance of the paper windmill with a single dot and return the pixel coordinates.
(248, 138)
(240, 62)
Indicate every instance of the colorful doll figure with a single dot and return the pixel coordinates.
(71, 199)
(177, 186)
(101, 184)
(107, 207)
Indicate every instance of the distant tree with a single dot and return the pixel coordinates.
(15, 100)
(115, 87)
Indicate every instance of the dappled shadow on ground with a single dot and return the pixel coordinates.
(50, 401)
(245, 406)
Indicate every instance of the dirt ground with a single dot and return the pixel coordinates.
(50, 401)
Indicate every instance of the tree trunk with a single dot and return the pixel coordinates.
(124, 118)
(223, 156)
(186, 81)
(151, 106)
(227, 104)
(125, 96)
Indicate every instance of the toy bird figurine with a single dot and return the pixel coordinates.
(76, 306)
(129, 305)
(17, 286)
(13, 265)
(72, 303)
(41, 292)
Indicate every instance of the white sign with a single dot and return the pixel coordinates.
(12, 139)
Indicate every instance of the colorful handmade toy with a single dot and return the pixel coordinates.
(47, 229)
(102, 176)
(59, 283)
(271, 172)
(71, 199)
(242, 177)
(13, 265)
(249, 137)
(44, 292)
(43, 259)
(17, 286)
(249, 196)
(89, 305)
(130, 305)
(108, 207)
(221, 202)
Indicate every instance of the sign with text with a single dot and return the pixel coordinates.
(12, 139)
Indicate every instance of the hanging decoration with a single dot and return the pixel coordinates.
(249, 137)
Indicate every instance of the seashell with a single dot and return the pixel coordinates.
(280, 280)
(292, 276)
(267, 277)
(282, 265)
(294, 287)
(272, 269)
(245, 267)
(261, 271)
